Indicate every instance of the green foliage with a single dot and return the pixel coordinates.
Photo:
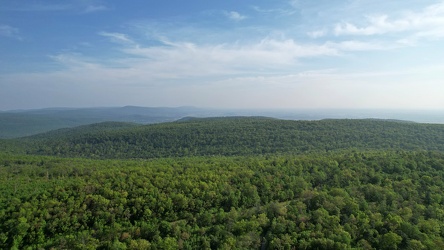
(236, 136)
(336, 200)
(226, 183)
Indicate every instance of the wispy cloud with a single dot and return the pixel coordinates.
(353, 45)
(287, 9)
(117, 37)
(95, 8)
(427, 22)
(185, 60)
(235, 16)
(9, 31)
(378, 25)
(75, 61)
(188, 59)
(317, 33)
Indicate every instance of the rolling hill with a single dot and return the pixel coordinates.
(244, 183)
(230, 136)
(19, 123)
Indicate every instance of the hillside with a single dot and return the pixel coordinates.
(19, 123)
(225, 183)
(14, 124)
(236, 136)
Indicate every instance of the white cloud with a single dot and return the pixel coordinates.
(189, 59)
(235, 16)
(117, 37)
(429, 22)
(179, 59)
(9, 31)
(75, 61)
(291, 8)
(378, 25)
(317, 33)
(353, 45)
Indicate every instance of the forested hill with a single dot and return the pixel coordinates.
(237, 136)
(83, 130)
(380, 187)
(19, 123)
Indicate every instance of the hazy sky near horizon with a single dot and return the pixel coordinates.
(223, 54)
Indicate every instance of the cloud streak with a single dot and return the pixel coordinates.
(117, 37)
(9, 31)
(174, 60)
(95, 8)
(427, 23)
(188, 59)
(235, 16)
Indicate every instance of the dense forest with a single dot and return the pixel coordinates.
(234, 136)
(225, 183)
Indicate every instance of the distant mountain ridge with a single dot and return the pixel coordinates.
(19, 123)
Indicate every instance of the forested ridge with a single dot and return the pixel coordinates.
(19, 123)
(225, 183)
(236, 136)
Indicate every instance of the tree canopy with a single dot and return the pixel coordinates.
(225, 183)
(234, 136)
(347, 200)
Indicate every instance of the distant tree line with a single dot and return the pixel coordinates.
(234, 136)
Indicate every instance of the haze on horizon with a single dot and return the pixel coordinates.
(293, 54)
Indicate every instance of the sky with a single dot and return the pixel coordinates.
(292, 54)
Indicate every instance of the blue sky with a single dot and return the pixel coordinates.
(222, 54)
